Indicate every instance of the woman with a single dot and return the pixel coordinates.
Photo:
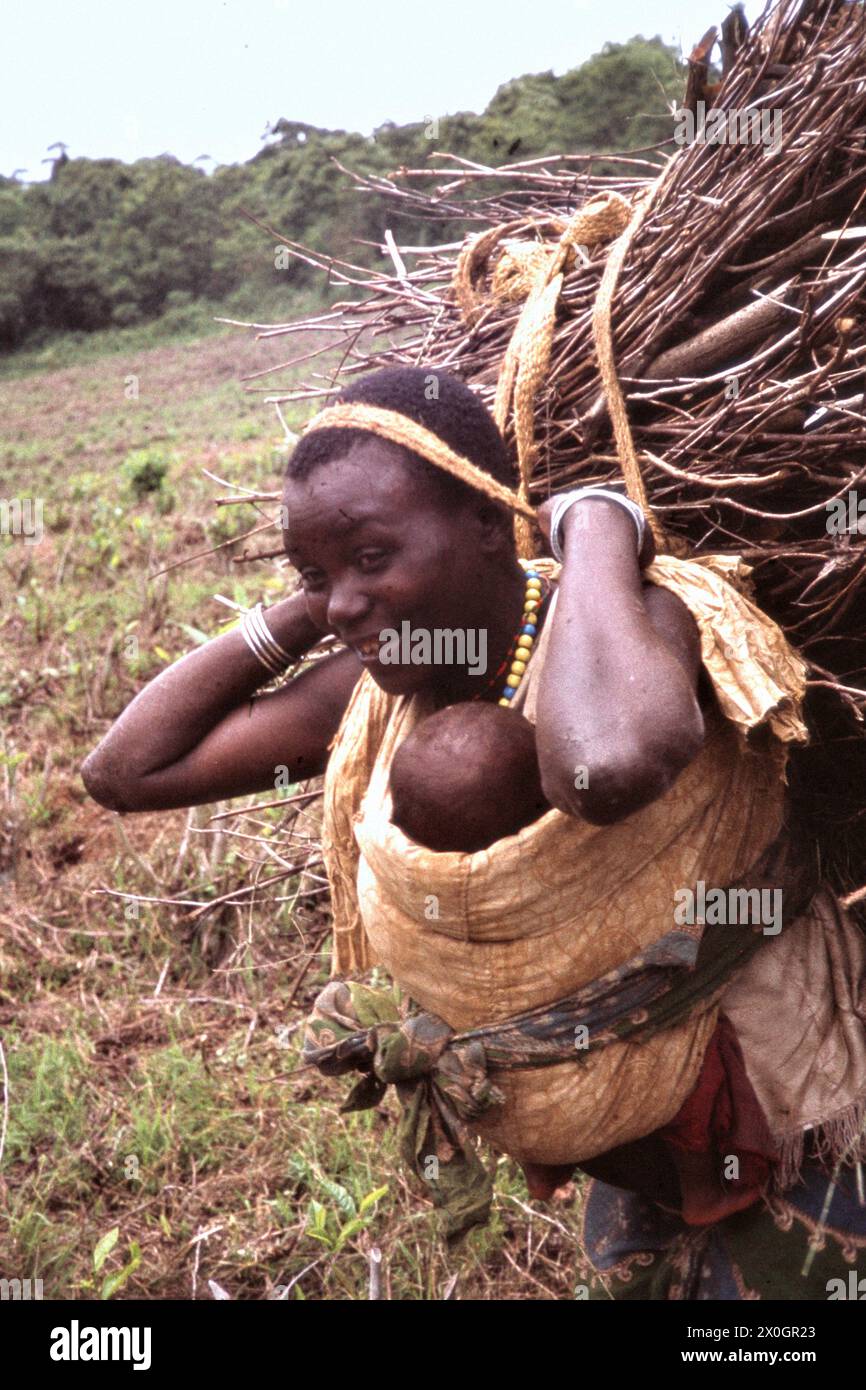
(658, 777)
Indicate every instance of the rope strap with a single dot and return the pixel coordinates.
(400, 429)
(539, 271)
(603, 335)
(536, 271)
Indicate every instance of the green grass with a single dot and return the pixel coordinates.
(180, 1139)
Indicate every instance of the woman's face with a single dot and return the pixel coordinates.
(376, 548)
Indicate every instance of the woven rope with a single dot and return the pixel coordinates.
(526, 265)
(473, 258)
(541, 270)
(603, 335)
(527, 356)
(522, 265)
(400, 429)
(534, 357)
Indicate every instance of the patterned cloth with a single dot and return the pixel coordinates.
(636, 1250)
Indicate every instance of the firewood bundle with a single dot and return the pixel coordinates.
(713, 331)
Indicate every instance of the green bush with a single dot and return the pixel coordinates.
(144, 471)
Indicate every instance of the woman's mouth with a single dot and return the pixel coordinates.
(368, 650)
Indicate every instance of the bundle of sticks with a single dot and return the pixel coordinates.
(734, 317)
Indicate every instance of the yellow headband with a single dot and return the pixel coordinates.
(402, 430)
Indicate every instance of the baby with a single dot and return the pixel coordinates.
(465, 777)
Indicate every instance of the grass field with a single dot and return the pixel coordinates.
(159, 1133)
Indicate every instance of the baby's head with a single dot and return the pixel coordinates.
(465, 777)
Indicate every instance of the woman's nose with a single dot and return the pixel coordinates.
(347, 605)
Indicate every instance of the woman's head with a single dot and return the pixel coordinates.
(381, 536)
(438, 401)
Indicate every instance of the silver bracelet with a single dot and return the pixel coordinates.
(568, 499)
(262, 642)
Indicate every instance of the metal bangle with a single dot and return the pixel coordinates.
(568, 499)
(269, 641)
(262, 643)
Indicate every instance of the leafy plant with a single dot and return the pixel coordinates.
(144, 471)
(328, 1228)
(113, 1283)
(348, 1214)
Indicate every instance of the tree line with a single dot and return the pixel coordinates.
(105, 244)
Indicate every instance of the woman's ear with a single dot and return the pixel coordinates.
(495, 524)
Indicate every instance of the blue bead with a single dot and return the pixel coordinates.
(509, 691)
(532, 574)
(528, 631)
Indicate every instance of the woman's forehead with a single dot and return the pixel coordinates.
(372, 483)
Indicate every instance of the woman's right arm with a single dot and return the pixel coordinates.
(195, 733)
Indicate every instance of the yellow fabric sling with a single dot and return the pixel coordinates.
(476, 938)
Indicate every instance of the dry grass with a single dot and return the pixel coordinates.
(151, 1039)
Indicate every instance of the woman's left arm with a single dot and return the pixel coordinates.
(618, 717)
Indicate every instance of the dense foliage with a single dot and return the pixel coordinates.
(103, 243)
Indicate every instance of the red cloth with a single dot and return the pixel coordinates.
(719, 1139)
(542, 1179)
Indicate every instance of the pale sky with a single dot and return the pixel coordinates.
(133, 78)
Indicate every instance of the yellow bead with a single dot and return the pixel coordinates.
(525, 642)
(505, 702)
(533, 587)
(531, 605)
(518, 667)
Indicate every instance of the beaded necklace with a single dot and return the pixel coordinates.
(520, 650)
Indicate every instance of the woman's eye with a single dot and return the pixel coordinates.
(311, 579)
(371, 560)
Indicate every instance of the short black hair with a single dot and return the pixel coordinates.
(441, 403)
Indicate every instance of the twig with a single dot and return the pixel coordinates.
(374, 1260)
(5, 1102)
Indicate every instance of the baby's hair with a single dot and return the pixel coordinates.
(466, 776)
(435, 399)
